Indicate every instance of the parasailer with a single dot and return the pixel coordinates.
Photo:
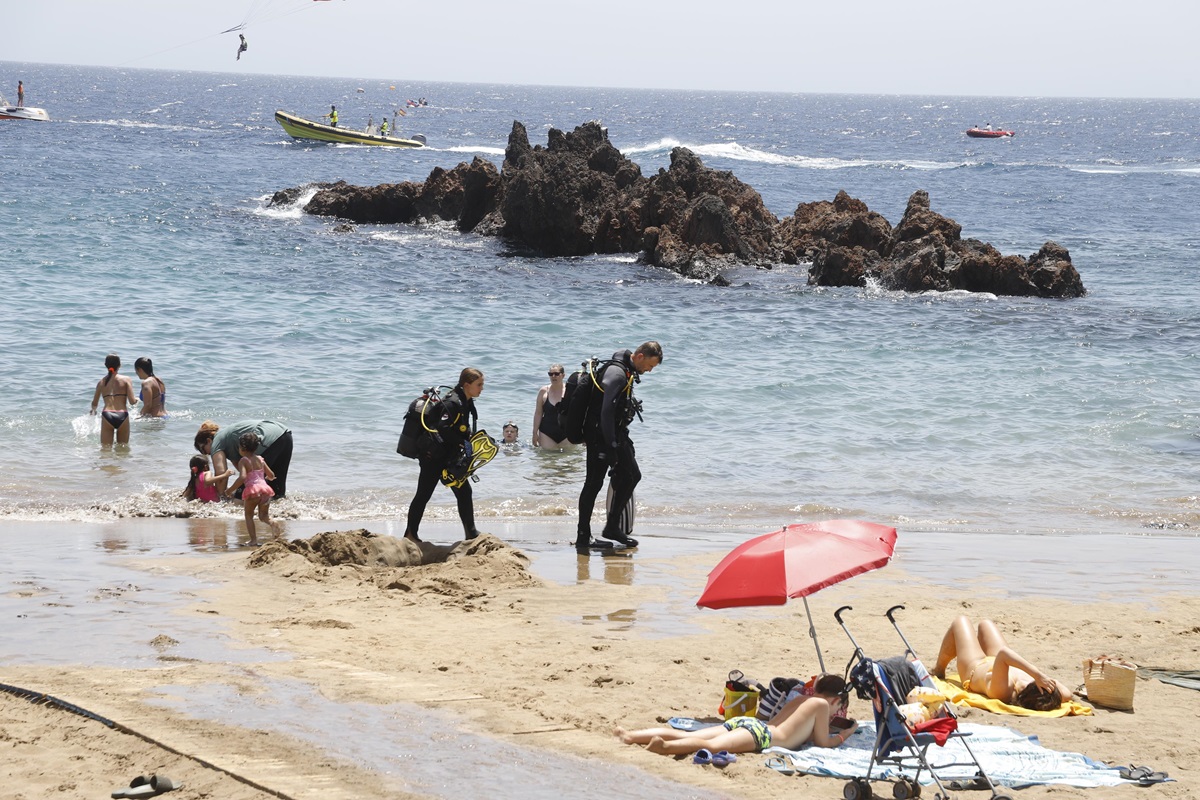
(262, 11)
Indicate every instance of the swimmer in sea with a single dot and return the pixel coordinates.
(547, 433)
(117, 391)
(153, 393)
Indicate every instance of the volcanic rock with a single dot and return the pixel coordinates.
(579, 196)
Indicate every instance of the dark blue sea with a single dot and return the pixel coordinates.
(136, 221)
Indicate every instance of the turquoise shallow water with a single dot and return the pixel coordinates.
(136, 222)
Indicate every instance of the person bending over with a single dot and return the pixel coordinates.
(800, 721)
(988, 666)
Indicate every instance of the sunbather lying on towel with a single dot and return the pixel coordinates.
(802, 720)
(988, 666)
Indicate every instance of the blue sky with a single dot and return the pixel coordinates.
(954, 47)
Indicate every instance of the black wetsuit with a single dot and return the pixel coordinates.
(609, 449)
(549, 422)
(455, 424)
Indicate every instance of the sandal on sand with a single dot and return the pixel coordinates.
(140, 780)
(143, 786)
(723, 758)
(702, 757)
(1145, 776)
(780, 765)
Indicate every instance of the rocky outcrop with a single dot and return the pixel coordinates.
(464, 195)
(925, 252)
(579, 195)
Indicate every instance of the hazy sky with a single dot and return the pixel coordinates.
(1097, 48)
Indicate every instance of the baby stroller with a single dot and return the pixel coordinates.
(897, 744)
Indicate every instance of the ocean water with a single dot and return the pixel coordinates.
(136, 222)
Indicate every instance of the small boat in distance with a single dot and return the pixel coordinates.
(988, 133)
(22, 112)
(300, 128)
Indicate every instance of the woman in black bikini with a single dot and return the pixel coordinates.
(117, 391)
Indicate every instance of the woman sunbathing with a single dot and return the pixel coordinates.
(988, 666)
(802, 720)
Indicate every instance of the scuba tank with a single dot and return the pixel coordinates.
(419, 435)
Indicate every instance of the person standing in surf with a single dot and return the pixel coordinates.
(153, 393)
(547, 431)
(609, 448)
(117, 391)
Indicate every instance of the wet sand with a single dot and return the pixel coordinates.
(337, 682)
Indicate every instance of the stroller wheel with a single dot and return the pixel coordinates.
(857, 789)
(904, 789)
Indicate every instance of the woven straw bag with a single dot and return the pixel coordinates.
(1110, 682)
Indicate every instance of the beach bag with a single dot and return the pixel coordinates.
(771, 698)
(740, 698)
(1110, 682)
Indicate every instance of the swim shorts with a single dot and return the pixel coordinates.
(758, 729)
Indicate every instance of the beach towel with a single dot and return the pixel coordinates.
(693, 724)
(952, 688)
(1009, 758)
(1186, 678)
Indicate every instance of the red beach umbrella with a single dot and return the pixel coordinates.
(796, 561)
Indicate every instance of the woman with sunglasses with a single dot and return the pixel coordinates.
(547, 432)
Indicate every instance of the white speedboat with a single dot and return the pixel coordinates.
(23, 112)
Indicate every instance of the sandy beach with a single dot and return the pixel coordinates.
(501, 673)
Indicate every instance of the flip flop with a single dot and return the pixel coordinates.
(140, 780)
(702, 757)
(780, 765)
(723, 758)
(1143, 776)
(158, 784)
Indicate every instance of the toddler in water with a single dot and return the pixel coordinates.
(200, 484)
(255, 473)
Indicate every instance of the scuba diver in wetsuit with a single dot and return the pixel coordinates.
(609, 448)
(453, 424)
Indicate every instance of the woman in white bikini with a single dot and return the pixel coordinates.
(988, 666)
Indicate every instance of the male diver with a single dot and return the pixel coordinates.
(609, 448)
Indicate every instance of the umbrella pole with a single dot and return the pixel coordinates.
(812, 633)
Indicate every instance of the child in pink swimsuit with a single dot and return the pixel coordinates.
(200, 482)
(256, 494)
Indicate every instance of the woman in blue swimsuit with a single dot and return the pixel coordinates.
(153, 393)
(117, 391)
